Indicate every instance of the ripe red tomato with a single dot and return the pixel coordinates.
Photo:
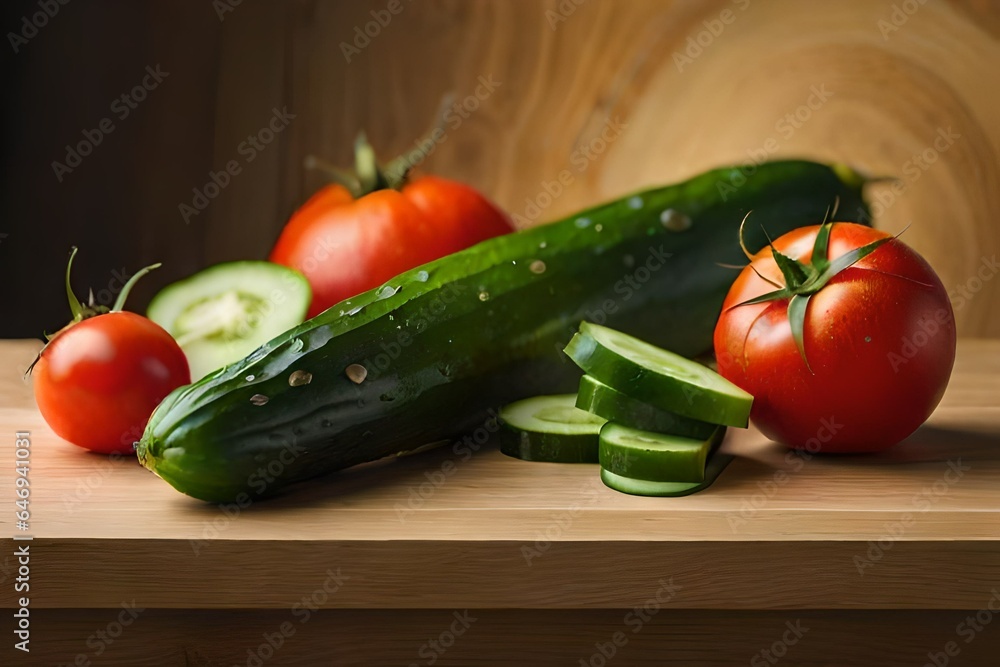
(98, 381)
(99, 378)
(879, 338)
(346, 245)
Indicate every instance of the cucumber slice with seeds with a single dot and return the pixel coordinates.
(220, 315)
(550, 428)
(656, 457)
(658, 377)
(604, 401)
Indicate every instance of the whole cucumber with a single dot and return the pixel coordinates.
(427, 355)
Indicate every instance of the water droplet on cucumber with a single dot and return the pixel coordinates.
(299, 378)
(582, 223)
(675, 221)
(259, 399)
(356, 373)
(635, 202)
(386, 291)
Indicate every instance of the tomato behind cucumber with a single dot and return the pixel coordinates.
(345, 246)
(878, 338)
(376, 222)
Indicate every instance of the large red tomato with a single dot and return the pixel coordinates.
(345, 245)
(100, 378)
(877, 341)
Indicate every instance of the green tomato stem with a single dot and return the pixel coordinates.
(366, 166)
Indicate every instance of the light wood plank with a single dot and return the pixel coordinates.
(100, 526)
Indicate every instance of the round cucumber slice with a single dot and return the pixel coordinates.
(655, 457)
(604, 401)
(642, 487)
(550, 428)
(658, 377)
(222, 314)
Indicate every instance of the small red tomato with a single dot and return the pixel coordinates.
(852, 350)
(346, 243)
(99, 379)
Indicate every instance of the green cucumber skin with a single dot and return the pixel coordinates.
(604, 401)
(642, 487)
(549, 448)
(440, 358)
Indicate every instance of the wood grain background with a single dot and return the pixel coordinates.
(684, 85)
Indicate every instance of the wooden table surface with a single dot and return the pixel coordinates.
(917, 528)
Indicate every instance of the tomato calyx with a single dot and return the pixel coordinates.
(81, 311)
(368, 175)
(803, 279)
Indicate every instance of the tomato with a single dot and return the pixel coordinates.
(346, 244)
(877, 341)
(99, 379)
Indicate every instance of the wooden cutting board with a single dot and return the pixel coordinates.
(917, 528)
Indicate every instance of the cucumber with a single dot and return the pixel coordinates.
(643, 487)
(550, 428)
(596, 397)
(430, 354)
(222, 314)
(663, 379)
(656, 457)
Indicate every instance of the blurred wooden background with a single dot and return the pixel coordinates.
(892, 87)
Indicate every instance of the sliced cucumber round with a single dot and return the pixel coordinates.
(222, 314)
(550, 428)
(656, 457)
(604, 401)
(662, 379)
(643, 487)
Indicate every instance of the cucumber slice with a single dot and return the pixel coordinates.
(604, 401)
(222, 314)
(642, 487)
(656, 457)
(550, 428)
(662, 379)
